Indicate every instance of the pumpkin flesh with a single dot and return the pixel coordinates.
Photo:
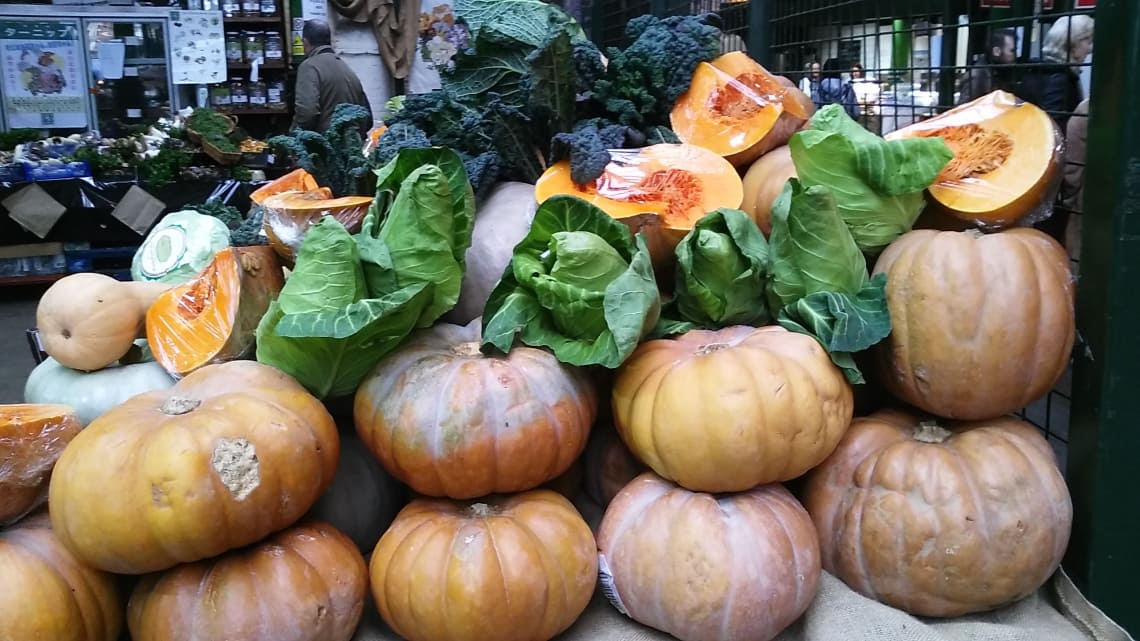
(448, 420)
(213, 318)
(941, 520)
(48, 593)
(230, 454)
(508, 568)
(737, 567)
(1007, 157)
(737, 109)
(728, 410)
(306, 583)
(296, 180)
(290, 214)
(31, 439)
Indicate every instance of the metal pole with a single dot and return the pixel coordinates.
(1105, 437)
(758, 31)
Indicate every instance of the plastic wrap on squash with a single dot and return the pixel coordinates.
(296, 180)
(289, 215)
(1007, 165)
(737, 109)
(213, 318)
(32, 436)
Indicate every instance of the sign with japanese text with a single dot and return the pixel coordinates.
(42, 62)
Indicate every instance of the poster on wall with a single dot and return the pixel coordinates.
(197, 47)
(43, 86)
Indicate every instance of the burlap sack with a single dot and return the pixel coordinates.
(1057, 612)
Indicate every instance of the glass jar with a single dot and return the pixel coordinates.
(239, 99)
(275, 95)
(258, 95)
(251, 8)
(269, 8)
(234, 51)
(220, 96)
(231, 8)
(274, 46)
(254, 45)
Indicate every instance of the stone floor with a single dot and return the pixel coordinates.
(17, 314)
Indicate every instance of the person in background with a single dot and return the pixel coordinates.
(866, 92)
(990, 71)
(324, 81)
(810, 81)
(1053, 82)
(831, 89)
(1073, 180)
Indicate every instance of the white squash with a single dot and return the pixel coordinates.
(92, 393)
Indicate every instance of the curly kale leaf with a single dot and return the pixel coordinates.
(587, 147)
(401, 135)
(333, 158)
(588, 68)
(249, 232)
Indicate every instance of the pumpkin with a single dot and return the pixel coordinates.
(230, 454)
(48, 594)
(736, 567)
(763, 183)
(448, 420)
(1007, 159)
(213, 318)
(363, 498)
(513, 568)
(296, 180)
(728, 410)
(88, 321)
(737, 109)
(31, 439)
(500, 223)
(940, 520)
(608, 464)
(92, 393)
(678, 183)
(982, 324)
(290, 214)
(306, 583)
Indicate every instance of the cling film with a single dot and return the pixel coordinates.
(290, 214)
(609, 588)
(32, 437)
(1007, 164)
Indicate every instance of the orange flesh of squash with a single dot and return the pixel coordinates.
(296, 180)
(1006, 157)
(213, 317)
(737, 109)
(289, 215)
(32, 436)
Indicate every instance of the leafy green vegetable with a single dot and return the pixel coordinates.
(722, 268)
(333, 157)
(523, 21)
(843, 323)
(577, 284)
(812, 250)
(877, 183)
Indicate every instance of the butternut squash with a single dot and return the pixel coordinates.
(1007, 159)
(290, 214)
(213, 318)
(738, 109)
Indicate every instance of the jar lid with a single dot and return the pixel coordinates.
(253, 33)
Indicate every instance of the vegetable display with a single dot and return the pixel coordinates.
(182, 244)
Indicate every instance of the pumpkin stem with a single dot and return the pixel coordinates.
(480, 510)
(178, 405)
(974, 234)
(710, 348)
(469, 349)
(931, 432)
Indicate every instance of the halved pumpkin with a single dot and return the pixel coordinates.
(32, 437)
(1007, 159)
(290, 214)
(738, 109)
(296, 180)
(679, 183)
(763, 183)
(213, 318)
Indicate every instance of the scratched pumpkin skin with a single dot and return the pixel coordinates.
(230, 454)
(450, 421)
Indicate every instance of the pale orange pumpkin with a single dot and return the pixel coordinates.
(49, 594)
(31, 439)
(229, 455)
(451, 421)
(982, 324)
(513, 568)
(941, 520)
(306, 583)
(728, 410)
(737, 567)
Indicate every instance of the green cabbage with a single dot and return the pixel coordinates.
(182, 244)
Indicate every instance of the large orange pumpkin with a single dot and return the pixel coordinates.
(230, 454)
(981, 324)
(738, 567)
(450, 421)
(48, 594)
(515, 568)
(941, 520)
(728, 410)
(306, 583)
(31, 439)
(763, 182)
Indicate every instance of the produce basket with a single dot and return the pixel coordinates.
(196, 137)
(224, 158)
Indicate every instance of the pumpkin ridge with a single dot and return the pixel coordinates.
(551, 565)
(554, 463)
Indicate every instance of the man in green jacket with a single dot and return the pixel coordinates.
(324, 81)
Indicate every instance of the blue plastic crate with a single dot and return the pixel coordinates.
(77, 169)
(113, 261)
(13, 174)
(32, 266)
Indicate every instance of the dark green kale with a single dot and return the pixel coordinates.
(334, 158)
(248, 233)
